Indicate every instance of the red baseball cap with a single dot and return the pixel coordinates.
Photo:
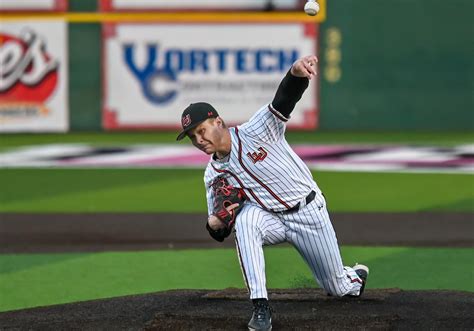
(195, 114)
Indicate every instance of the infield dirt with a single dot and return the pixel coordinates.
(297, 309)
(49, 233)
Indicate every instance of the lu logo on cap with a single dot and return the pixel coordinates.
(186, 120)
(194, 114)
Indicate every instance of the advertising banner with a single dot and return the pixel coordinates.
(33, 76)
(153, 71)
(33, 5)
(112, 5)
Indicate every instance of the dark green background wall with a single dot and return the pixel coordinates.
(406, 64)
(85, 86)
(403, 64)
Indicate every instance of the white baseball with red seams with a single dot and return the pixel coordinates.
(275, 179)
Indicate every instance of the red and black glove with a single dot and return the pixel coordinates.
(226, 195)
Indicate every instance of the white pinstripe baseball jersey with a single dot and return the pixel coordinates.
(263, 164)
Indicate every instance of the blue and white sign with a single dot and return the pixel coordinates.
(154, 71)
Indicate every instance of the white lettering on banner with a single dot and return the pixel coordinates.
(15, 61)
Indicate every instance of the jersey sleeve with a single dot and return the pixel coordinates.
(266, 125)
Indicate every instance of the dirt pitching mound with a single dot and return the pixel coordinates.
(230, 309)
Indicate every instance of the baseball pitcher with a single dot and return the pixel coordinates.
(260, 189)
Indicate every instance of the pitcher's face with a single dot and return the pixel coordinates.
(208, 135)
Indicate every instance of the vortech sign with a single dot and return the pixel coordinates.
(154, 71)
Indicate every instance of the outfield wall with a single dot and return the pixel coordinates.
(405, 65)
(398, 65)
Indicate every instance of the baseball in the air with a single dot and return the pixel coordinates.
(311, 7)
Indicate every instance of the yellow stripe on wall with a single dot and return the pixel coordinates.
(227, 17)
(233, 17)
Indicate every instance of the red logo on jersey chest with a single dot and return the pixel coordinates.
(260, 156)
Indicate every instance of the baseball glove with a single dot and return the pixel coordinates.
(224, 196)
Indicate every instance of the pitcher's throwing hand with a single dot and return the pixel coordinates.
(305, 67)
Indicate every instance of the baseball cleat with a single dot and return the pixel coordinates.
(363, 272)
(261, 317)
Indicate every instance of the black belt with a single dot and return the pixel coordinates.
(310, 197)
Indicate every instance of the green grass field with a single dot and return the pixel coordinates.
(160, 190)
(29, 280)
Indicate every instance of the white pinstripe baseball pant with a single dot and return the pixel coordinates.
(309, 230)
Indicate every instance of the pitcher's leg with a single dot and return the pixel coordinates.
(316, 241)
(254, 228)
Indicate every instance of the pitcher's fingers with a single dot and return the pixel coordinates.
(232, 207)
(312, 59)
(309, 70)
